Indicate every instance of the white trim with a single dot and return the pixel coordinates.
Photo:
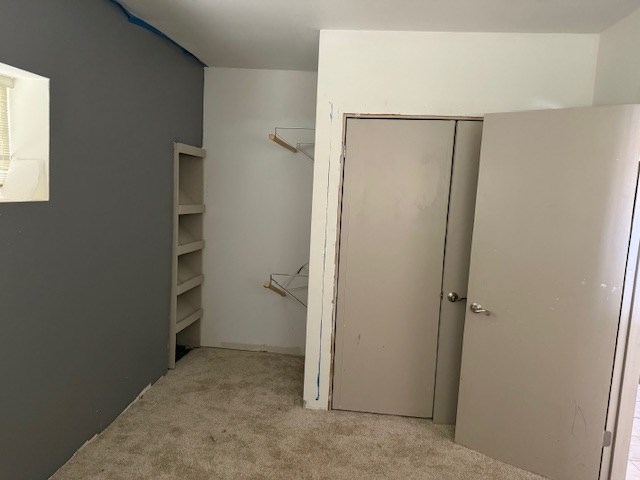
(626, 368)
(7, 82)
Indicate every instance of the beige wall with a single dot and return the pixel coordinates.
(618, 73)
(420, 73)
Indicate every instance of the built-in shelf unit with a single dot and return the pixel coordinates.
(188, 243)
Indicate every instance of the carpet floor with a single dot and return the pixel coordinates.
(224, 414)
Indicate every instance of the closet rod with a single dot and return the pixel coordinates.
(273, 137)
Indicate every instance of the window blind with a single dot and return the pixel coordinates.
(5, 139)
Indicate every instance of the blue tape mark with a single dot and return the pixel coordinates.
(141, 23)
(319, 363)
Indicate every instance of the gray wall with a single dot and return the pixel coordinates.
(85, 278)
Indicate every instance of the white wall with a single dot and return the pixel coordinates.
(258, 198)
(618, 74)
(28, 176)
(416, 73)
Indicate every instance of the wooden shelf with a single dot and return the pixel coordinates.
(188, 244)
(188, 320)
(185, 149)
(189, 266)
(190, 209)
(190, 247)
(189, 284)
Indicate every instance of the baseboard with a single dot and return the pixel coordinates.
(295, 351)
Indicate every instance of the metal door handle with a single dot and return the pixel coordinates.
(477, 308)
(453, 297)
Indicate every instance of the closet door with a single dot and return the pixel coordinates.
(393, 226)
(551, 239)
(462, 201)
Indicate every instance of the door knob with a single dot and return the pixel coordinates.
(477, 308)
(453, 297)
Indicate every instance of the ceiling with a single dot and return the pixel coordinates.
(283, 34)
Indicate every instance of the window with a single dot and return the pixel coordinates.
(24, 136)
(5, 140)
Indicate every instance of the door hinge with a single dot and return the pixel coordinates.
(607, 439)
(344, 152)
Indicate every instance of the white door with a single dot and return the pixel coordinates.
(392, 238)
(455, 275)
(555, 201)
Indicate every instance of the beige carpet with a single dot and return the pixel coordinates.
(224, 414)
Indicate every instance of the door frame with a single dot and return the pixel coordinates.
(336, 259)
(626, 365)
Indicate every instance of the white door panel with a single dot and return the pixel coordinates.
(553, 215)
(393, 224)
